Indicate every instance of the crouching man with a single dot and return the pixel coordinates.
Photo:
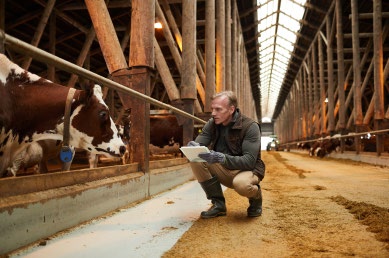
(235, 157)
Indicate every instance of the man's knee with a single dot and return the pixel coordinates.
(241, 185)
(245, 185)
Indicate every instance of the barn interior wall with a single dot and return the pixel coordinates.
(112, 44)
(324, 64)
(342, 85)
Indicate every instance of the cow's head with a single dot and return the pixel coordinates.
(92, 128)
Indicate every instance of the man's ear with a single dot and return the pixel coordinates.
(232, 109)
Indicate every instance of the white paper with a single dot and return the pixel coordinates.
(192, 152)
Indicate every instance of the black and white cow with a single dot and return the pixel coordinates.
(36, 155)
(32, 109)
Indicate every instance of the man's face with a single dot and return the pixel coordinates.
(221, 110)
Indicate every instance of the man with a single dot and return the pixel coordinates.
(235, 157)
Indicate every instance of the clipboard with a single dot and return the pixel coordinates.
(192, 152)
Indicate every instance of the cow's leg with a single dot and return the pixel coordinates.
(93, 160)
(17, 162)
(43, 167)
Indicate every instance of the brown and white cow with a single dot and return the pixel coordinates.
(32, 109)
(324, 147)
(37, 154)
(165, 135)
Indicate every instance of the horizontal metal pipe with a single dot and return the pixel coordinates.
(339, 136)
(45, 57)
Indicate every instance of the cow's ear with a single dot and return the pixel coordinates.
(97, 90)
(89, 91)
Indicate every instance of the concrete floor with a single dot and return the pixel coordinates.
(147, 229)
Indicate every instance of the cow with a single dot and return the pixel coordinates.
(37, 154)
(324, 147)
(165, 130)
(32, 109)
(303, 145)
(165, 135)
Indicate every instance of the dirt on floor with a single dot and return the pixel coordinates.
(311, 208)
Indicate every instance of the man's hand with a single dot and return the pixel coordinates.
(213, 157)
(193, 143)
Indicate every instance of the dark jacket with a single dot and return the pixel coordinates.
(240, 141)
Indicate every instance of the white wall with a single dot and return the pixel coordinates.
(264, 141)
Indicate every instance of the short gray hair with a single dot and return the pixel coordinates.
(232, 99)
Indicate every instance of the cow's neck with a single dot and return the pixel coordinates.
(68, 106)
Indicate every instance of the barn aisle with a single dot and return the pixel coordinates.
(147, 229)
(312, 208)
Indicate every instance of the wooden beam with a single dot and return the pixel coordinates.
(39, 30)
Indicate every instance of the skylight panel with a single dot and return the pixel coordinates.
(277, 29)
(284, 44)
(286, 34)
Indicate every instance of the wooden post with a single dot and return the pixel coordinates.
(141, 63)
(330, 78)
(379, 105)
(316, 98)
(228, 45)
(188, 78)
(323, 130)
(378, 61)
(220, 45)
(369, 113)
(293, 120)
(299, 105)
(339, 38)
(209, 53)
(177, 35)
(241, 71)
(239, 67)
(234, 47)
(310, 97)
(358, 116)
(304, 103)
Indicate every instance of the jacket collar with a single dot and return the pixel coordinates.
(237, 120)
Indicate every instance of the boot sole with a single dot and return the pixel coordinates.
(214, 216)
(254, 215)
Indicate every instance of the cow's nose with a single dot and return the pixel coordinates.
(122, 149)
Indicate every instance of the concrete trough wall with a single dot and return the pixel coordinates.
(366, 157)
(30, 217)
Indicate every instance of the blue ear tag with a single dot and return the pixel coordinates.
(66, 154)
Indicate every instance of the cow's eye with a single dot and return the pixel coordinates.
(103, 115)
